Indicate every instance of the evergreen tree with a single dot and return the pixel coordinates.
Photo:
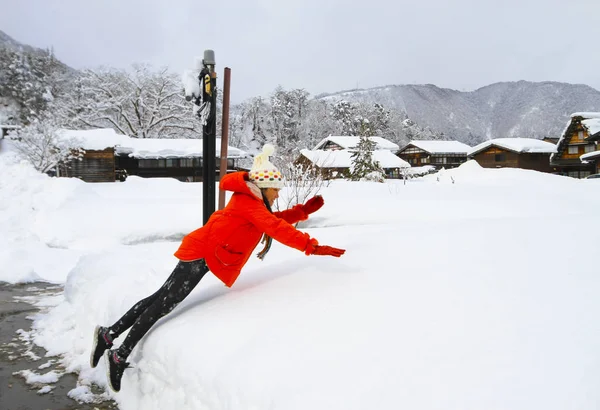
(364, 166)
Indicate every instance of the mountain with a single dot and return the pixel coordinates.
(505, 109)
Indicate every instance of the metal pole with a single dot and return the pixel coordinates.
(224, 132)
(209, 78)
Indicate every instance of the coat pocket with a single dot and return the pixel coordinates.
(228, 256)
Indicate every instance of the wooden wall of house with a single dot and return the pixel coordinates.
(535, 161)
(418, 159)
(96, 166)
(495, 157)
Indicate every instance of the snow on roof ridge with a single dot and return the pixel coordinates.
(102, 138)
(586, 115)
(521, 145)
(349, 141)
(343, 158)
(437, 146)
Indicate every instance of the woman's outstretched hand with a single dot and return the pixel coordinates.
(313, 204)
(328, 250)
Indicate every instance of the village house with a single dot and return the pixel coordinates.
(334, 164)
(439, 154)
(332, 156)
(525, 153)
(592, 158)
(578, 139)
(110, 156)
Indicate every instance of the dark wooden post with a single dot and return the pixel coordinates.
(224, 132)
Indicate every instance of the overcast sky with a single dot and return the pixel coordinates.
(324, 45)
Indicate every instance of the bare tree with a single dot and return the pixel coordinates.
(141, 103)
(302, 182)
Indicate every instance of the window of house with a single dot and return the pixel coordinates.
(590, 148)
(161, 163)
(580, 135)
(172, 163)
(573, 149)
(573, 174)
(583, 174)
(148, 163)
(230, 163)
(500, 157)
(186, 162)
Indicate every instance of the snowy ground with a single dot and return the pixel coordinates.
(469, 289)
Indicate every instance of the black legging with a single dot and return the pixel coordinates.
(144, 314)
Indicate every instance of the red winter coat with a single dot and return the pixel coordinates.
(227, 240)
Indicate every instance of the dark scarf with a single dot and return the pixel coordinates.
(266, 239)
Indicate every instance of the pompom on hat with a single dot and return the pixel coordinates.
(263, 173)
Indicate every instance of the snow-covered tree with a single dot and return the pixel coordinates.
(42, 145)
(344, 113)
(317, 124)
(31, 80)
(288, 111)
(364, 166)
(257, 126)
(140, 103)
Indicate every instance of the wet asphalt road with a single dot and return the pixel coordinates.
(17, 354)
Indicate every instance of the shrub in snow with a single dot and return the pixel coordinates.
(41, 145)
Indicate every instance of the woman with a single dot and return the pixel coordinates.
(223, 246)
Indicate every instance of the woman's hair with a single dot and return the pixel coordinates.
(267, 240)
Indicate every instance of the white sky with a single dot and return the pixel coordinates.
(450, 295)
(324, 46)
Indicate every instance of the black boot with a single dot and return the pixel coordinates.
(115, 366)
(102, 341)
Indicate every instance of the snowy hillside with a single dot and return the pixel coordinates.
(500, 110)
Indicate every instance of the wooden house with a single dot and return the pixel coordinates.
(98, 161)
(336, 163)
(440, 154)
(332, 156)
(110, 156)
(170, 158)
(592, 158)
(525, 153)
(579, 138)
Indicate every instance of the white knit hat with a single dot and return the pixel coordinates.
(263, 173)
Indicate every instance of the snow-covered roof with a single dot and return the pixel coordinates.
(520, 145)
(592, 125)
(100, 139)
(172, 148)
(343, 158)
(441, 147)
(586, 114)
(95, 140)
(590, 155)
(347, 142)
(588, 122)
